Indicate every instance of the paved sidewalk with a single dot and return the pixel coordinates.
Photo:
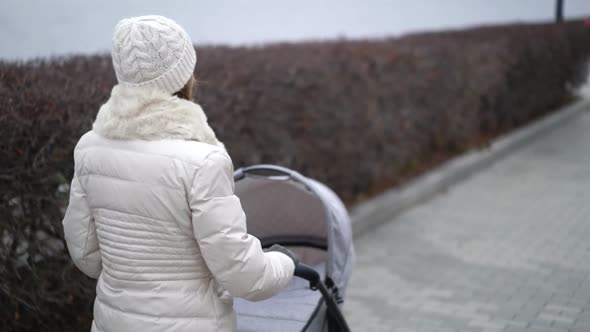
(506, 250)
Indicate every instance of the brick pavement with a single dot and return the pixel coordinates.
(506, 250)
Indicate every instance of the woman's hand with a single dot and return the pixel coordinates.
(283, 250)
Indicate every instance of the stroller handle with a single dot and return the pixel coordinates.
(308, 273)
(315, 283)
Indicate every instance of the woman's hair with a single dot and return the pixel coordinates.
(187, 90)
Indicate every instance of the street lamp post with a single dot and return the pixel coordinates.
(559, 11)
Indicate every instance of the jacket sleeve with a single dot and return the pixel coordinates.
(80, 232)
(234, 257)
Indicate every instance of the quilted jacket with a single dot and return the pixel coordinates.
(152, 215)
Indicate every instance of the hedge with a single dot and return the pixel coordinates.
(360, 116)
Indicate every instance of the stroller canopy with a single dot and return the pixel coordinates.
(285, 207)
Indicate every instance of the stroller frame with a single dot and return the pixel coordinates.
(329, 292)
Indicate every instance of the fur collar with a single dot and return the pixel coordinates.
(148, 114)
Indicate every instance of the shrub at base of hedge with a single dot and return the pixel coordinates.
(357, 115)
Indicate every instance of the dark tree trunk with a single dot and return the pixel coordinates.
(559, 11)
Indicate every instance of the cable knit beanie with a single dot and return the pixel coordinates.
(152, 51)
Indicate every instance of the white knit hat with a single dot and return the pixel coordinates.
(152, 51)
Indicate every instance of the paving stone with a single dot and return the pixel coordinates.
(551, 318)
(505, 250)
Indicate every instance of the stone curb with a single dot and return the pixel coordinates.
(385, 207)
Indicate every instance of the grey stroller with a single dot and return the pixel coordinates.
(284, 207)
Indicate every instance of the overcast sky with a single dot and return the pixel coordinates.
(30, 28)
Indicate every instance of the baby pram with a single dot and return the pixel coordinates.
(287, 208)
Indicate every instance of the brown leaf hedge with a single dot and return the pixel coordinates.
(358, 115)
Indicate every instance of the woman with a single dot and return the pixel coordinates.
(152, 212)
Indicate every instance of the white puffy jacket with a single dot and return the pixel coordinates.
(153, 216)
